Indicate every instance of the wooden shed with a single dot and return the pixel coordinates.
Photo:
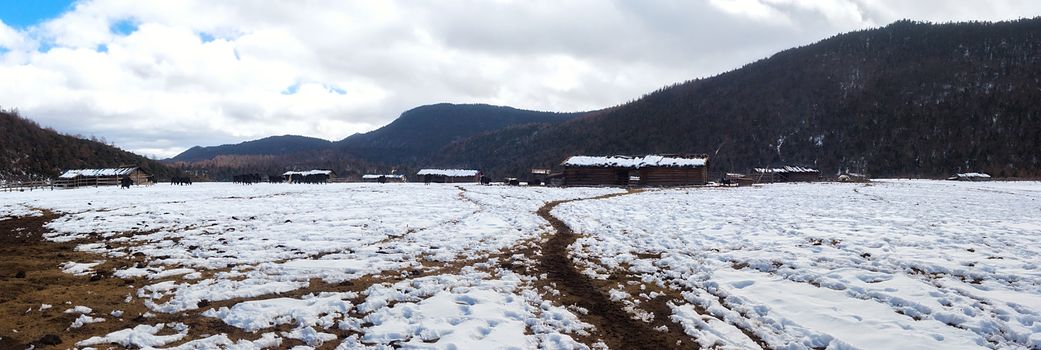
(383, 178)
(73, 178)
(786, 174)
(449, 175)
(970, 177)
(309, 176)
(650, 170)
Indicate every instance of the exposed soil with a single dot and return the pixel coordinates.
(30, 277)
(616, 327)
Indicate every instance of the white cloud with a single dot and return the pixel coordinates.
(200, 72)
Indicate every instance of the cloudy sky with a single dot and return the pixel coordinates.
(157, 77)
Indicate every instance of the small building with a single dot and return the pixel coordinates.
(786, 174)
(650, 170)
(309, 176)
(102, 177)
(449, 175)
(383, 178)
(970, 177)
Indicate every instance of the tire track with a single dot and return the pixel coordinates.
(615, 326)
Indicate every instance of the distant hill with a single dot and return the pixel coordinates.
(28, 151)
(404, 144)
(274, 145)
(908, 99)
(422, 131)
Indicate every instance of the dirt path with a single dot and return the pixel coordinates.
(616, 327)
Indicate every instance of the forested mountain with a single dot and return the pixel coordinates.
(908, 99)
(403, 145)
(28, 151)
(281, 145)
(422, 131)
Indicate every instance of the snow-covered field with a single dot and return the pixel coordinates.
(216, 242)
(888, 265)
(894, 264)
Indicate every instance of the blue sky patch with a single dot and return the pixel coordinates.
(207, 37)
(21, 14)
(292, 89)
(123, 27)
(336, 89)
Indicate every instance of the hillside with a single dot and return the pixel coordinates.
(908, 99)
(28, 151)
(422, 131)
(404, 144)
(286, 144)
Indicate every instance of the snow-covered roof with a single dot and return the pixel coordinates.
(449, 172)
(68, 174)
(636, 162)
(981, 175)
(376, 176)
(787, 169)
(309, 172)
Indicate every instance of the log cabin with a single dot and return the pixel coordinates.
(650, 170)
(449, 175)
(73, 178)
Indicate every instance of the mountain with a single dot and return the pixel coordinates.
(423, 131)
(281, 145)
(404, 144)
(908, 99)
(28, 151)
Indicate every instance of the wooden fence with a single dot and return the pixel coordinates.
(22, 186)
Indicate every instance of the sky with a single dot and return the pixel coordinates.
(158, 77)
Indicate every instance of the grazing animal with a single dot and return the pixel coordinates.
(382, 179)
(535, 182)
(514, 182)
(246, 179)
(485, 180)
(181, 180)
(125, 182)
(275, 179)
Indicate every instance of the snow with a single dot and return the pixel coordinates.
(376, 176)
(448, 172)
(139, 336)
(68, 174)
(886, 265)
(787, 169)
(635, 162)
(889, 265)
(248, 244)
(308, 172)
(83, 320)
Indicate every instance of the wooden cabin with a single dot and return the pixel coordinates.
(970, 177)
(73, 178)
(786, 174)
(383, 178)
(650, 170)
(449, 175)
(317, 175)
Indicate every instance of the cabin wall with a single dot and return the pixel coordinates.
(593, 176)
(140, 178)
(673, 176)
(801, 177)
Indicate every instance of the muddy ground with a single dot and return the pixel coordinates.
(30, 276)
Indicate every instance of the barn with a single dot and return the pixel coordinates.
(786, 174)
(650, 170)
(309, 176)
(970, 177)
(73, 178)
(385, 178)
(449, 175)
